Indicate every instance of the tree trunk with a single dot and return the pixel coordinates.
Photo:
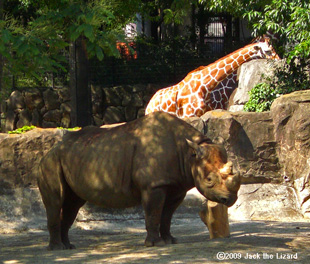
(79, 88)
(1, 58)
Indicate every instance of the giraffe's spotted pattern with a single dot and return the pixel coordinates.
(208, 87)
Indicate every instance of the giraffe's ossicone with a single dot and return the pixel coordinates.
(192, 96)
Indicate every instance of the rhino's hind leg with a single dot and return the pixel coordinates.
(61, 203)
(171, 204)
(50, 186)
(70, 208)
(153, 202)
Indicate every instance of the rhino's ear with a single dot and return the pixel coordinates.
(194, 146)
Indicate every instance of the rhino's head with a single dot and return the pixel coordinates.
(213, 175)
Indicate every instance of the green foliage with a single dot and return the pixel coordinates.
(261, 98)
(176, 12)
(25, 129)
(287, 78)
(289, 19)
(35, 35)
(22, 130)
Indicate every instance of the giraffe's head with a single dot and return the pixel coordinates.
(264, 49)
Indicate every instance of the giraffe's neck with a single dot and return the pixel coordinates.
(216, 72)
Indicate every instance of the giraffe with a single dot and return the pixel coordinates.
(192, 96)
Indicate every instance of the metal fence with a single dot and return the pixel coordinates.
(161, 67)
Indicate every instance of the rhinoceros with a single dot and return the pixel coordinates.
(151, 161)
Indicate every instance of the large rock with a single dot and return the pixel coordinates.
(33, 99)
(24, 118)
(272, 202)
(250, 143)
(16, 101)
(10, 121)
(51, 99)
(290, 115)
(19, 155)
(53, 116)
(249, 75)
(112, 97)
(113, 115)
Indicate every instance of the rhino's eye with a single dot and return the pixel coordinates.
(209, 182)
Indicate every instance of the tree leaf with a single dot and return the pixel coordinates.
(99, 53)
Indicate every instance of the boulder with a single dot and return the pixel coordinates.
(64, 94)
(137, 100)
(290, 115)
(138, 88)
(20, 153)
(53, 116)
(97, 100)
(111, 97)
(51, 99)
(36, 118)
(113, 115)
(130, 113)
(46, 124)
(33, 99)
(16, 101)
(271, 202)
(24, 118)
(250, 142)
(10, 121)
(65, 108)
(65, 120)
(249, 75)
(127, 97)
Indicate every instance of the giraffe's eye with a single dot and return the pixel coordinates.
(268, 52)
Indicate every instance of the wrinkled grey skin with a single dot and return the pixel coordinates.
(154, 160)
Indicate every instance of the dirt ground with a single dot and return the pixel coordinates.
(122, 241)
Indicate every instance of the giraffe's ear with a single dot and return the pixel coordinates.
(257, 48)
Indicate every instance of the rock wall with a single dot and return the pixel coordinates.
(50, 108)
(270, 147)
(21, 153)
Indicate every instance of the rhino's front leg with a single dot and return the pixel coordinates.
(54, 226)
(153, 201)
(173, 200)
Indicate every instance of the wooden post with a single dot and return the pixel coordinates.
(215, 217)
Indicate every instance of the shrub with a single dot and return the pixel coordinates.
(290, 77)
